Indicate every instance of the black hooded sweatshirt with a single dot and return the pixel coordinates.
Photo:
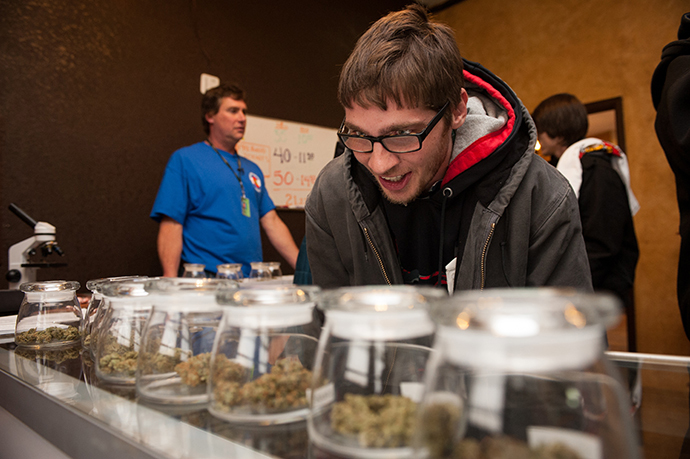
(671, 97)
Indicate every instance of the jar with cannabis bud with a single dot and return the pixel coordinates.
(178, 339)
(523, 371)
(49, 316)
(121, 330)
(369, 370)
(263, 358)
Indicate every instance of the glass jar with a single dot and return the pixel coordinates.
(195, 270)
(263, 357)
(91, 310)
(95, 302)
(231, 271)
(100, 308)
(178, 339)
(49, 315)
(274, 268)
(369, 370)
(260, 272)
(524, 371)
(120, 331)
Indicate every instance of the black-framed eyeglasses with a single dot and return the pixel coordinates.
(401, 143)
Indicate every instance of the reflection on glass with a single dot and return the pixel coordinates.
(36, 366)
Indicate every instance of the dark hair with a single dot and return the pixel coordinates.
(407, 58)
(211, 100)
(562, 115)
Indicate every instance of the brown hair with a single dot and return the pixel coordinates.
(562, 115)
(211, 100)
(407, 58)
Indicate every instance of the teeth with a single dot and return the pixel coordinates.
(397, 178)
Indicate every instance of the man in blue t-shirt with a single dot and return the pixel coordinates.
(211, 201)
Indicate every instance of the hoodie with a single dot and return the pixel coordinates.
(671, 98)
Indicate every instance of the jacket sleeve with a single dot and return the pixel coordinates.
(557, 256)
(327, 268)
(324, 262)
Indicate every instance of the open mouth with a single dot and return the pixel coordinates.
(395, 182)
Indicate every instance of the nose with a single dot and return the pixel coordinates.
(382, 160)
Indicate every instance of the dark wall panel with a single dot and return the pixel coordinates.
(96, 95)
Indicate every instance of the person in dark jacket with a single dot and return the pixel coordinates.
(439, 183)
(671, 98)
(599, 174)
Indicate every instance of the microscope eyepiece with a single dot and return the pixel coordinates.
(23, 215)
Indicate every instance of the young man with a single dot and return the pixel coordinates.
(598, 172)
(211, 201)
(561, 121)
(440, 184)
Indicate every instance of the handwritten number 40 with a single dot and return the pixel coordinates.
(282, 153)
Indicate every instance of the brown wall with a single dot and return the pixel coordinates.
(95, 96)
(597, 49)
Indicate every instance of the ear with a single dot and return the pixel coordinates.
(209, 117)
(459, 112)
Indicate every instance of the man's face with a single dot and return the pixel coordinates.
(230, 121)
(550, 146)
(402, 177)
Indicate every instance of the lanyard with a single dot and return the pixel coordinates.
(239, 167)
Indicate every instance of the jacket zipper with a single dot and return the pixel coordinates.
(376, 253)
(484, 250)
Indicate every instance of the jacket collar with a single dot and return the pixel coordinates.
(491, 119)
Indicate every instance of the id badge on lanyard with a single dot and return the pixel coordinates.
(246, 210)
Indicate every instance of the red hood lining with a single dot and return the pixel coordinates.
(484, 146)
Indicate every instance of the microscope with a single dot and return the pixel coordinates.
(21, 268)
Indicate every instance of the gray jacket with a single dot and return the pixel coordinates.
(534, 215)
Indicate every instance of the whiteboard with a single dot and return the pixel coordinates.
(289, 154)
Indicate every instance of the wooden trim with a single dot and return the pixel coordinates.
(615, 104)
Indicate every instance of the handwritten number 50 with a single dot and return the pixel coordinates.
(280, 178)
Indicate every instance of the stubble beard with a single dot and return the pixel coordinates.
(392, 200)
(422, 187)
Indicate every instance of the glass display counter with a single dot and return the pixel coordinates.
(57, 395)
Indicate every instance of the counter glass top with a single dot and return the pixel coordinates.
(41, 388)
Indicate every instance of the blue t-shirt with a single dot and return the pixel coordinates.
(199, 191)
